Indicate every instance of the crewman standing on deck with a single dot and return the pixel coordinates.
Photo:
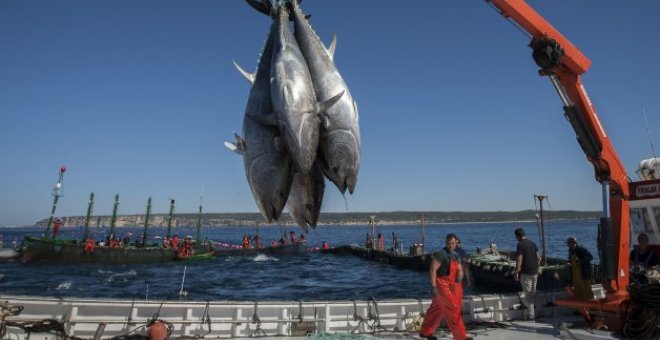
(527, 269)
(381, 242)
(445, 273)
(643, 256)
(395, 243)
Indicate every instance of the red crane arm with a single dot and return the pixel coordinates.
(532, 22)
(560, 60)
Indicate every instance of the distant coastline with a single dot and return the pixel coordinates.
(348, 219)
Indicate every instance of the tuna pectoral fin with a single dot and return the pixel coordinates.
(238, 147)
(332, 48)
(249, 76)
(269, 119)
(233, 147)
(325, 105)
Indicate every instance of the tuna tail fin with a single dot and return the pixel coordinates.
(265, 6)
(261, 6)
(326, 104)
(333, 46)
(247, 75)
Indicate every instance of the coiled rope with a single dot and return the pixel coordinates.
(643, 322)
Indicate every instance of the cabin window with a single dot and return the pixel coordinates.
(641, 223)
(656, 212)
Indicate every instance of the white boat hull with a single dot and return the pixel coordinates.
(91, 318)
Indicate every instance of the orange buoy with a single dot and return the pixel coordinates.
(157, 331)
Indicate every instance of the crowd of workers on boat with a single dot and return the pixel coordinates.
(449, 274)
(182, 248)
(255, 241)
(379, 243)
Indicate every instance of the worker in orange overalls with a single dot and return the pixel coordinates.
(445, 273)
(175, 241)
(381, 242)
(89, 246)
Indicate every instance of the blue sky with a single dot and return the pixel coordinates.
(137, 97)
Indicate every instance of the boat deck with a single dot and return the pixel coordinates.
(541, 329)
(486, 316)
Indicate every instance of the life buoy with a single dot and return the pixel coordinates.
(157, 331)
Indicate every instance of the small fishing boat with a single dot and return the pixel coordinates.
(52, 249)
(496, 271)
(403, 261)
(415, 259)
(72, 251)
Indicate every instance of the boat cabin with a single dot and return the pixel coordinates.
(644, 203)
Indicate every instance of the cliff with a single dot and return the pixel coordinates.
(392, 217)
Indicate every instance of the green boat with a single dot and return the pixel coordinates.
(72, 251)
(52, 249)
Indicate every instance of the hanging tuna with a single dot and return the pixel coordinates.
(301, 121)
(268, 166)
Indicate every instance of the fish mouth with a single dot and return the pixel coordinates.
(344, 161)
(269, 187)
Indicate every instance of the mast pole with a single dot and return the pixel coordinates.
(199, 218)
(169, 218)
(541, 198)
(372, 221)
(56, 194)
(421, 218)
(146, 222)
(90, 208)
(113, 220)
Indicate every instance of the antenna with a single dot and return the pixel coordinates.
(648, 131)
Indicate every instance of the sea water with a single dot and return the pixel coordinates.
(260, 277)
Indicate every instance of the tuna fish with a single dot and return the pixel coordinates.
(340, 144)
(293, 97)
(306, 197)
(268, 166)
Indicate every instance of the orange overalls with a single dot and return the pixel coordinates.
(444, 305)
(89, 246)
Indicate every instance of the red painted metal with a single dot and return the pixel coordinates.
(607, 165)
